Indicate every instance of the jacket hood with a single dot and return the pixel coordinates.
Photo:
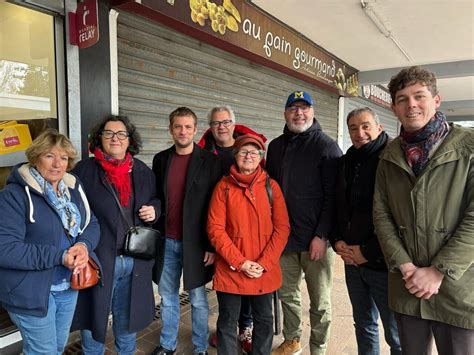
(208, 142)
(22, 176)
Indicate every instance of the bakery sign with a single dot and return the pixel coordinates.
(377, 94)
(243, 28)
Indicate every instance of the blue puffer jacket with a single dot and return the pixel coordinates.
(30, 240)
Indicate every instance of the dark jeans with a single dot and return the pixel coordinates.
(245, 318)
(416, 336)
(229, 309)
(368, 291)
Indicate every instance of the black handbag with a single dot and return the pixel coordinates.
(140, 242)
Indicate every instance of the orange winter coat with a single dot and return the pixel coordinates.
(242, 226)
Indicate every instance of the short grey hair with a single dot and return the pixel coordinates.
(216, 109)
(358, 111)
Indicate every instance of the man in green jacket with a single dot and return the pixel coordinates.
(424, 219)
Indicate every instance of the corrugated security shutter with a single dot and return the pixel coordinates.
(161, 69)
(388, 120)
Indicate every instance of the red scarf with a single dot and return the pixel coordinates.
(244, 180)
(118, 172)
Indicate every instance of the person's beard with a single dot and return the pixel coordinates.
(299, 128)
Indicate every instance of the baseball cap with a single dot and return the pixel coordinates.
(299, 96)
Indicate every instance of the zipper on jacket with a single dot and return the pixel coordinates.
(415, 233)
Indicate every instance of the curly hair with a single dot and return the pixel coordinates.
(135, 142)
(48, 140)
(411, 76)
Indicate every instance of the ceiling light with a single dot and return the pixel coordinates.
(368, 7)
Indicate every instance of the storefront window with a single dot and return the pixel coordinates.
(28, 99)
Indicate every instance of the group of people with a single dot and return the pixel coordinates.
(255, 221)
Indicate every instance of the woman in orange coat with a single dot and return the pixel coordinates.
(248, 226)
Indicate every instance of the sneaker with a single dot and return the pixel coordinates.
(245, 338)
(288, 347)
(213, 340)
(159, 350)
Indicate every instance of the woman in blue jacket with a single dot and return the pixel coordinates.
(47, 232)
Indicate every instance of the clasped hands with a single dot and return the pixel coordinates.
(350, 254)
(252, 269)
(76, 258)
(423, 282)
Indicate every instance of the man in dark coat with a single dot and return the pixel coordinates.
(303, 160)
(354, 238)
(185, 178)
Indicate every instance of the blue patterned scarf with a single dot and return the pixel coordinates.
(64, 207)
(419, 144)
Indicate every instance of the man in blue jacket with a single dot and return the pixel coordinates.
(303, 160)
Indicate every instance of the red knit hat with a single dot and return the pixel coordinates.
(249, 139)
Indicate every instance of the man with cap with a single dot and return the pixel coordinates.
(424, 219)
(219, 139)
(303, 160)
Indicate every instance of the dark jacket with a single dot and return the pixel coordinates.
(305, 166)
(30, 240)
(208, 143)
(93, 305)
(203, 173)
(354, 198)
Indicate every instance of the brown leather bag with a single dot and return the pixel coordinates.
(87, 277)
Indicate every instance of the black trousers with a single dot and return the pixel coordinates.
(416, 337)
(229, 309)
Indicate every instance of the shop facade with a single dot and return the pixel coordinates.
(151, 57)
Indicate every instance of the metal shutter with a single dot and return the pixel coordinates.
(161, 69)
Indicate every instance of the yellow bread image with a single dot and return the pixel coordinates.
(232, 9)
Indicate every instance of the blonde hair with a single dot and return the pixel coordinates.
(48, 140)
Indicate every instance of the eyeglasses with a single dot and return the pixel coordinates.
(122, 135)
(225, 123)
(253, 153)
(303, 108)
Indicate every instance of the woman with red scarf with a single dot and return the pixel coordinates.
(126, 288)
(248, 226)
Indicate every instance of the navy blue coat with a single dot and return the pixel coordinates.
(93, 305)
(305, 166)
(30, 240)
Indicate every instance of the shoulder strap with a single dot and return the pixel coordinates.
(109, 185)
(268, 187)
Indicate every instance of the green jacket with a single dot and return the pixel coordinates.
(429, 220)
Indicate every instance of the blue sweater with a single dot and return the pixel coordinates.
(30, 240)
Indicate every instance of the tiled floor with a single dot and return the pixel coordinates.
(342, 339)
